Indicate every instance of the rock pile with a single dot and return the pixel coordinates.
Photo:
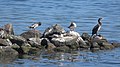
(54, 38)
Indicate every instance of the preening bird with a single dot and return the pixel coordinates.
(72, 26)
(35, 25)
(97, 27)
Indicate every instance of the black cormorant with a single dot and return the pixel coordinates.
(97, 27)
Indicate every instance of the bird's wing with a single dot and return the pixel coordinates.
(95, 29)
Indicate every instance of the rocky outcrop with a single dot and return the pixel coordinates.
(31, 34)
(55, 38)
(55, 29)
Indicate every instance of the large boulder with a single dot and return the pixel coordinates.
(67, 40)
(31, 34)
(16, 39)
(55, 29)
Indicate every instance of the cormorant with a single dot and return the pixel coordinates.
(97, 27)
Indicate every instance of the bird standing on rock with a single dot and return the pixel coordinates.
(72, 26)
(97, 27)
(35, 25)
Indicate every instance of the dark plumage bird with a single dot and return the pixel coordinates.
(72, 26)
(97, 27)
(35, 25)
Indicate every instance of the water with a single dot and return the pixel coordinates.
(22, 13)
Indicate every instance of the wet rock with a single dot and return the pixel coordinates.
(85, 36)
(116, 44)
(25, 48)
(55, 29)
(106, 45)
(17, 39)
(62, 49)
(31, 34)
(9, 29)
(94, 47)
(7, 54)
(5, 42)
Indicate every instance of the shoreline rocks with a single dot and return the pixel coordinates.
(54, 38)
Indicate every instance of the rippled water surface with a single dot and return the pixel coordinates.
(22, 13)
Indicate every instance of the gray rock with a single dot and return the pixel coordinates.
(67, 40)
(7, 54)
(5, 42)
(9, 29)
(35, 42)
(94, 47)
(47, 44)
(55, 29)
(85, 36)
(17, 39)
(31, 34)
(116, 44)
(107, 45)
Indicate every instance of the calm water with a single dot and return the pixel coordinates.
(22, 13)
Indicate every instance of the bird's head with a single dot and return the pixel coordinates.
(99, 21)
(74, 24)
(39, 23)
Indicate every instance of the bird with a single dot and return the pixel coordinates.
(72, 26)
(1, 32)
(35, 25)
(97, 27)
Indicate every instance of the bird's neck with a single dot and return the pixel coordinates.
(99, 22)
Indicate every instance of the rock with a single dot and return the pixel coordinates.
(25, 48)
(5, 42)
(47, 44)
(34, 42)
(67, 40)
(17, 39)
(85, 36)
(106, 45)
(94, 47)
(15, 46)
(82, 43)
(62, 49)
(31, 34)
(116, 44)
(7, 54)
(55, 29)
(9, 29)
(72, 33)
